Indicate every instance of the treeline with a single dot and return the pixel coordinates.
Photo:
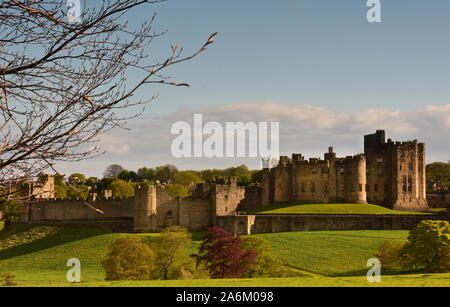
(121, 182)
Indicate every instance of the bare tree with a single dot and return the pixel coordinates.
(63, 83)
(113, 171)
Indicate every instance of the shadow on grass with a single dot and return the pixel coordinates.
(59, 235)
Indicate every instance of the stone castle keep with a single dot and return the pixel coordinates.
(389, 173)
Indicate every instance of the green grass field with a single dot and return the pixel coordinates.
(37, 256)
(327, 209)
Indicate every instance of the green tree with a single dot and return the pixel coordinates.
(11, 210)
(129, 176)
(177, 190)
(147, 173)
(129, 259)
(438, 173)
(61, 191)
(121, 188)
(186, 178)
(165, 173)
(171, 249)
(78, 191)
(92, 181)
(266, 264)
(77, 178)
(427, 245)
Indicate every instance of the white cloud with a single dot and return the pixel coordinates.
(303, 129)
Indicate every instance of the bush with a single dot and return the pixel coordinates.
(390, 257)
(171, 249)
(266, 264)
(222, 254)
(129, 259)
(427, 246)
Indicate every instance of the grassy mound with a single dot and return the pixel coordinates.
(327, 209)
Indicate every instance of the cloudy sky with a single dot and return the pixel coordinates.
(315, 66)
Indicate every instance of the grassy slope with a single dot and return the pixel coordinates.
(327, 208)
(37, 256)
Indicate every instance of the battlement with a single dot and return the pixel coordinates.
(314, 162)
(354, 158)
(89, 200)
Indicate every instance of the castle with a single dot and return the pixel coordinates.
(389, 173)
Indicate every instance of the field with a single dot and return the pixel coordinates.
(327, 209)
(37, 256)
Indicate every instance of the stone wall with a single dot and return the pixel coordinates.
(438, 200)
(68, 209)
(253, 224)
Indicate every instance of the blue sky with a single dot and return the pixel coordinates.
(318, 53)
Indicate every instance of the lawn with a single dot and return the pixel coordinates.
(37, 255)
(327, 209)
(416, 280)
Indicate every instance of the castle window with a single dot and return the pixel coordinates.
(379, 160)
(379, 172)
(303, 187)
(324, 170)
(326, 187)
(342, 187)
(410, 166)
(367, 171)
(411, 154)
(410, 189)
(341, 170)
(367, 188)
(409, 180)
(404, 188)
(226, 209)
(314, 170)
(226, 196)
(400, 166)
(404, 179)
(375, 187)
(353, 188)
(360, 187)
(350, 170)
(402, 154)
(313, 187)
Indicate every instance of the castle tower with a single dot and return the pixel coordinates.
(145, 209)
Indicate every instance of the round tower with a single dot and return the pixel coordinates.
(144, 209)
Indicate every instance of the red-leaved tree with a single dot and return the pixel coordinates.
(223, 255)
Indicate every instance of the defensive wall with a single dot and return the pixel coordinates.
(269, 223)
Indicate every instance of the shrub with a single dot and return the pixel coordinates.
(390, 256)
(129, 259)
(427, 246)
(223, 255)
(266, 265)
(171, 249)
